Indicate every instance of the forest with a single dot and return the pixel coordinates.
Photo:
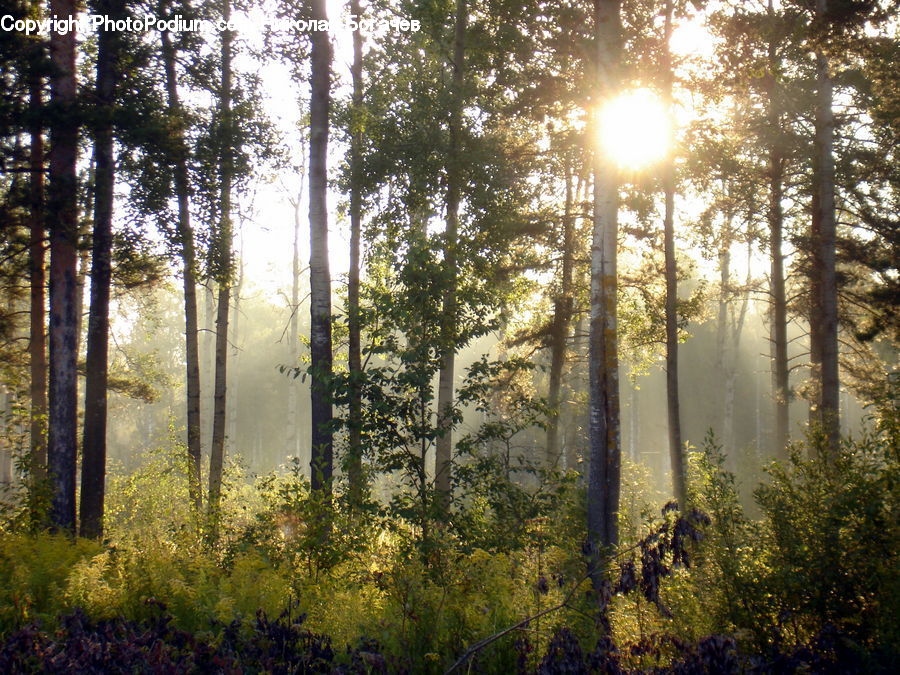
(444, 336)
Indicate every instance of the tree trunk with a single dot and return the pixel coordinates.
(815, 296)
(233, 388)
(63, 225)
(37, 344)
(189, 272)
(294, 337)
(321, 461)
(676, 449)
(444, 444)
(575, 426)
(6, 469)
(223, 275)
(207, 358)
(217, 447)
(605, 447)
(827, 320)
(354, 356)
(93, 462)
(780, 371)
(635, 423)
(559, 332)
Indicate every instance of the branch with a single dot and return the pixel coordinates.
(478, 646)
(481, 644)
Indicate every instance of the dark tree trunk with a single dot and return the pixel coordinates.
(62, 208)
(829, 408)
(223, 272)
(37, 344)
(673, 403)
(559, 332)
(780, 371)
(354, 356)
(779, 306)
(605, 436)
(815, 296)
(220, 403)
(444, 444)
(322, 460)
(189, 272)
(93, 462)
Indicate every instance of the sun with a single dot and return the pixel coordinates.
(634, 129)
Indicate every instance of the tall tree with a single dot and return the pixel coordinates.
(605, 447)
(293, 421)
(321, 462)
(185, 235)
(562, 317)
(354, 356)
(825, 323)
(673, 406)
(37, 343)
(62, 209)
(444, 444)
(776, 159)
(93, 462)
(223, 264)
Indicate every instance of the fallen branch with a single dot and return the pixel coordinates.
(478, 646)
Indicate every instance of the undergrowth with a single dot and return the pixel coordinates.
(809, 585)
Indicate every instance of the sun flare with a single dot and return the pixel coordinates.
(634, 129)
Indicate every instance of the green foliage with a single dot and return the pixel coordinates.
(822, 559)
(351, 578)
(303, 530)
(819, 562)
(34, 574)
(834, 542)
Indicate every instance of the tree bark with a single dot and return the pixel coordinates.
(63, 227)
(673, 403)
(322, 460)
(605, 437)
(223, 274)
(189, 275)
(815, 296)
(207, 359)
(354, 356)
(780, 373)
(444, 444)
(829, 408)
(575, 416)
(93, 462)
(559, 332)
(217, 447)
(37, 344)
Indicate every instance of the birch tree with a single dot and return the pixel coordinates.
(605, 451)
(321, 462)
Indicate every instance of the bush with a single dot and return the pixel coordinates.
(815, 578)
